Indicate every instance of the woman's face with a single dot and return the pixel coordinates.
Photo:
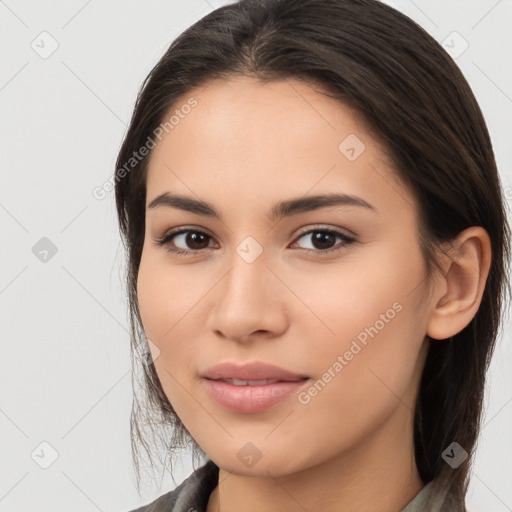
(333, 295)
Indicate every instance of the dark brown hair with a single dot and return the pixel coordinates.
(415, 99)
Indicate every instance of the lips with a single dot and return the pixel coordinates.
(251, 388)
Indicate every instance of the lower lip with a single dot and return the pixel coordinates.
(251, 399)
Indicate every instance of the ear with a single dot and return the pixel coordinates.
(459, 291)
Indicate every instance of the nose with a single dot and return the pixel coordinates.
(249, 303)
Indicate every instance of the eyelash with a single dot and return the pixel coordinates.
(167, 237)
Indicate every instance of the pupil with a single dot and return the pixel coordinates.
(322, 238)
(192, 240)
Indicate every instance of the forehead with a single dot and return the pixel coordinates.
(248, 138)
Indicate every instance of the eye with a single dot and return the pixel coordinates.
(322, 240)
(194, 239)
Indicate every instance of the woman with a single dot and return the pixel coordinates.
(317, 251)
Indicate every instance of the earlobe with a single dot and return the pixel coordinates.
(462, 286)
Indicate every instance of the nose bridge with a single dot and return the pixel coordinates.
(247, 281)
(246, 300)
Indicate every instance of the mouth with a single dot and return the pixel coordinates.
(251, 387)
(251, 397)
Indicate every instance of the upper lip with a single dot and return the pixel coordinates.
(251, 371)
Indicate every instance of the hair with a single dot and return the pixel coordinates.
(416, 101)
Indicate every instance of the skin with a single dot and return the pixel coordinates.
(245, 146)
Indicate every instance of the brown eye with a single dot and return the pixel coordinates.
(185, 241)
(324, 240)
(195, 239)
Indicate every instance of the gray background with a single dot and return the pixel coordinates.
(64, 366)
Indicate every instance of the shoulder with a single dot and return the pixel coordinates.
(435, 497)
(192, 493)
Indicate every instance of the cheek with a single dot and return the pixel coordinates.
(169, 300)
(363, 298)
(360, 377)
(150, 294)
(165, 296)
(366, 351)
(163, 300)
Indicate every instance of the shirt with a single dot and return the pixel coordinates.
(193, 494)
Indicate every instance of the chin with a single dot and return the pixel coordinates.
(241, 464)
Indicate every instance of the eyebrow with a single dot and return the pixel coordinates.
(278, 211)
